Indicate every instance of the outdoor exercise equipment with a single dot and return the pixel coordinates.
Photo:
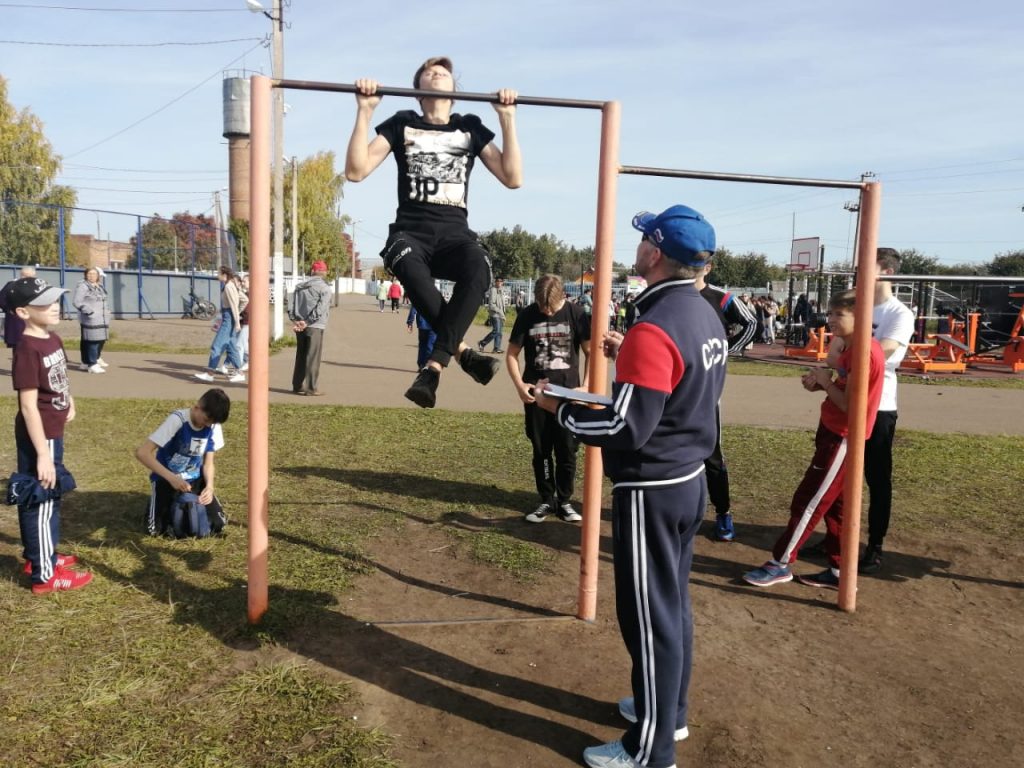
(259, 186)
(608, 172)
(1012, 354)
(816, 347)
(948, 352)
(857, 384)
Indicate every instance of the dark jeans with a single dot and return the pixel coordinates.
(419, 257)
(308, 348)
(555, 478)
(878, 474)
(91, 350)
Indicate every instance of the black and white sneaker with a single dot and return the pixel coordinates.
(871, 562)
(480, 367)
(567, 514)
(540, 514)
(423, 391)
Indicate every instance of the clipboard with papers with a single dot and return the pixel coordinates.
(565, 393)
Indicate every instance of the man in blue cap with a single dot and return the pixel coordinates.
(655, 437)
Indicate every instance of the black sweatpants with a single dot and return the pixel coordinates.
(419, 257)
(878, 474)
(718, 473)
(554, 455)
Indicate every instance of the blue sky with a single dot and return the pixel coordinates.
(926, 95)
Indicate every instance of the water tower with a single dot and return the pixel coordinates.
(236, 131)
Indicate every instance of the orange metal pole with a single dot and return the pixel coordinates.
(867, 244)
(593, 472)
(259, 352)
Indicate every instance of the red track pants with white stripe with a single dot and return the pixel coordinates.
(820, 494)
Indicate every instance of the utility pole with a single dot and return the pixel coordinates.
(296, 261)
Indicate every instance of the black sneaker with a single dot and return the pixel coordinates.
(480, 368)
(871, 562)
(423, 391)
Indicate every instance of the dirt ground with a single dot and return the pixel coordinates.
(464, 667)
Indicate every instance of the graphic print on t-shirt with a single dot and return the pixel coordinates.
(553, 342)
(437, 165)
(56, 365)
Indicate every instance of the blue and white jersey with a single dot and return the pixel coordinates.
(181, 446)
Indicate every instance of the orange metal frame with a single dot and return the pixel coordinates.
(816, 347)
(950, 352)
(1012, 356)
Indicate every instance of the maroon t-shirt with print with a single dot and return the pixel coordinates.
(41, 364)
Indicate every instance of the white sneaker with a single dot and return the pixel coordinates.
(97, 368)
(610, 755)
(83, 367)
(237, 378)
(245, 367)
(204, 376)
(568, 514)
(223, 369)
(539, 514)
(627, 708)
(102, 363)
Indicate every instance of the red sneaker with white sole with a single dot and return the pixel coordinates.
(62, 562)
(62, 581)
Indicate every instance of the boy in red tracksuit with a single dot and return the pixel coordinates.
(820, 493)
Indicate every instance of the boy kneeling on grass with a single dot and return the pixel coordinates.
(40, 376)
(820, 493)
(179, 455)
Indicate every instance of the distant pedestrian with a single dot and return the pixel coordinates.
(395, 294)
(311, 306)
(382, 293)
(228, 328)
(90, 299)
(496, 306)
(14, 326)
(427, 337)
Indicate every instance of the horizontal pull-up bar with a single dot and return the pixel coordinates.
(637, 170)
(531, 101)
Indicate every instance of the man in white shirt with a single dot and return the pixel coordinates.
(893, 325)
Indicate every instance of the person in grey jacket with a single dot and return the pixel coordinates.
(311, 305)
(496, 306)
(90, 300)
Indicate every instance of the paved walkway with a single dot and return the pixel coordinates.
(369, 359)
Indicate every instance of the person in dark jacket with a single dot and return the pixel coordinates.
(655, 437)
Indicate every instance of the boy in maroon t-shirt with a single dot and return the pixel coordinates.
(820, 493)
(45, 405)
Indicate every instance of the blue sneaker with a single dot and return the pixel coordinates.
(826, 579)
(610, 755)
(723, 527)
(768, 575)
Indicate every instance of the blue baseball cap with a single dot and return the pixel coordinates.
(680, 232)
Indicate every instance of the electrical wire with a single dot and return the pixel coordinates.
(130, 45)
(165, 106)
(135, 170)
(35, 7)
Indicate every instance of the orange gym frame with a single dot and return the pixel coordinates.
(608, 172)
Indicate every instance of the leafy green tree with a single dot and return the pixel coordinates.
(320, 224)
(170, 243)
(913, 262)
(744, 270)
(29, 200)
(1009, 264)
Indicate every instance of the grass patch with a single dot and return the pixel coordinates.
(154, 664)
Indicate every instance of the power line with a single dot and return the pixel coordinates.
(165, 106)
(144, 191)
(130, 45)
(137, 170)
(35, 7)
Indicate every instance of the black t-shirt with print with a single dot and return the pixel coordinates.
(551, 345)
(434, 163)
